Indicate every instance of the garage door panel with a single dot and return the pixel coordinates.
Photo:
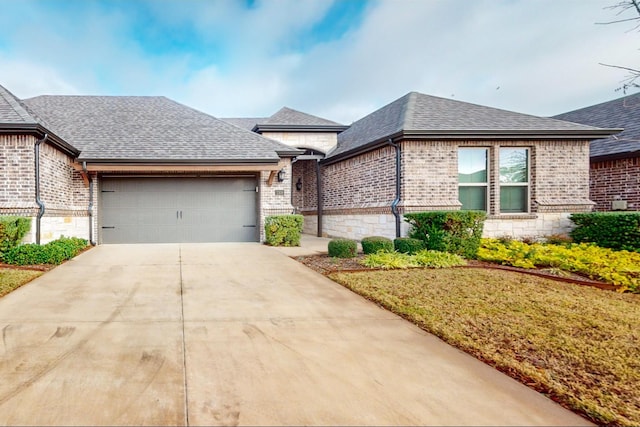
(172, 210)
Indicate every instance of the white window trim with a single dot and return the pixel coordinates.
(516, 184)
(485, 184)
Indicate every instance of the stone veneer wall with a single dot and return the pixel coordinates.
(613, 180)
(61, 187)
(320, 141)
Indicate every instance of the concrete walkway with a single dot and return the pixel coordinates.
(226, 334)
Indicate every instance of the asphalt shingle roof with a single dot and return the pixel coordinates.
(429, 115)
(247, 123)
(137, 128)
(619, 113)
(289, 116)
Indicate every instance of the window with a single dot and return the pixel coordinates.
(473, 178)
(514, 180)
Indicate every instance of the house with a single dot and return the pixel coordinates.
(615, 160)
(148, 169)
(137, 169)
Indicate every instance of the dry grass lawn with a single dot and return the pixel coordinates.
(579, 345)
(11, 279)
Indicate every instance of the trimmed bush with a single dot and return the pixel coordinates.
(407, 245)
(615, 230)
(373, 244)
(283, 230)
(12, 231)
(54, 252)
(457, 232)
(343, 248)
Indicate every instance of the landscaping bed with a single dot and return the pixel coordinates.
(326, 265)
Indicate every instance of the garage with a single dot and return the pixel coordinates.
(178, 210)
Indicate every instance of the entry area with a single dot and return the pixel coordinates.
(178, 210)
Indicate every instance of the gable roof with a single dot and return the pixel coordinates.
(16, 117)
(416, 115)
(151, 129)
(622, 112)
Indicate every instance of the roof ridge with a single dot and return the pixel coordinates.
(408, 110)
(17, 106)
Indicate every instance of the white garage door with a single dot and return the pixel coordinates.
(178, 210)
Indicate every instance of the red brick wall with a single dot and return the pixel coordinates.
(615, 180)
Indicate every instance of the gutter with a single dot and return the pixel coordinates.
(319, 194)
(396, 201)
(39, 202)
(90, 207)
(481, 134)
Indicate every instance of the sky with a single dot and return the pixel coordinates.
(339, 59)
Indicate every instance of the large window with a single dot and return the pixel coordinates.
(473, 178)
(514, 180)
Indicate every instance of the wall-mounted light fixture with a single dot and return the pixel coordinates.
(299, 184)
(281, 175)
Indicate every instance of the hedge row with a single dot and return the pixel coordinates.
(614, 230)
(54, 252)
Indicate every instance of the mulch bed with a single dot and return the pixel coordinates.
(326, 265)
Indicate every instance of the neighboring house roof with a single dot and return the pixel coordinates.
(150, 129)
(287, 119)
(247, 123)
(16, 117)
(624, 113)
(416, 115)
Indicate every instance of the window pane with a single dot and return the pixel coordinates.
(514, 165)
(472, 165)
(473, 198)
(513, 199)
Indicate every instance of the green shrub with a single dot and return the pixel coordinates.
(12, 231)
(373, 244)
(283, 230)
(343, 248)
(457, 232)
(388, 260)
(436, 259)
(54, 252)
(407, 245)
(615, 230)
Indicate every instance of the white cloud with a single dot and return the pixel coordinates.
(533, 56)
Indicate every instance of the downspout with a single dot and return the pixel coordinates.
(319, 191)
(396, 201)
(39, 202)
(90, 207)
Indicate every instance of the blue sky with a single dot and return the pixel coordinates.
(337, 59)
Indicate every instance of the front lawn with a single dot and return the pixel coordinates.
(11, 279)
(579, 345)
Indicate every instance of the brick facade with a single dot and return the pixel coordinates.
(615, 180)
(364, 187)
(61, 188)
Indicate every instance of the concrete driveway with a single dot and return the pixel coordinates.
(210, 334)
